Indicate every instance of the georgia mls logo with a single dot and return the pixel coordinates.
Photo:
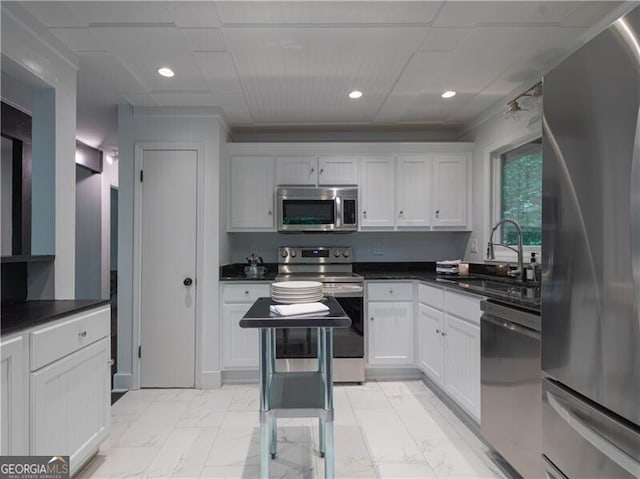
(34, 467)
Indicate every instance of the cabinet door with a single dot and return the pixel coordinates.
(251, 193)
(70, 404)
(449, 189)
(413, 191)
(337, 170)
(296, 170)
(13, 397)
(390, 333)
(377, 192)
(240, 348)
(462, 363)
(430, 337)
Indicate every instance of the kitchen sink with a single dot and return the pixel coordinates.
(505, 287)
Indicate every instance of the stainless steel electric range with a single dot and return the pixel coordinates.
(296, 349)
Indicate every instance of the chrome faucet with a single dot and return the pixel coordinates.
(491, 254)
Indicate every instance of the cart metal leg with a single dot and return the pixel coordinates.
(265, 413)
(272, 362)
(329, 446)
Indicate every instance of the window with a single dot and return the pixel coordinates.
(521, 193)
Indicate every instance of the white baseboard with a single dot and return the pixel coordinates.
(210, 380)
(241, 376)
(392, 373)
(122, 381)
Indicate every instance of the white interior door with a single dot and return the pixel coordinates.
(168, 262)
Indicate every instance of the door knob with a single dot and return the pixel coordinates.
(187, 282)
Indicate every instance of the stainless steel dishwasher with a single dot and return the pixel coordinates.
(511, 394)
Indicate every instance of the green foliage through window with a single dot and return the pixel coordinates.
(521, 193)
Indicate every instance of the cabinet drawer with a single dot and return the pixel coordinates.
(244, 293)
(390, 291)
(431, 296)
(463, 305)
(62, 338)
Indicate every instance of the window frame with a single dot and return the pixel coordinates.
(503, 254)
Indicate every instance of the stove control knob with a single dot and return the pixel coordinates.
(337, 253)
(284, 253)
(346, 253)
(293, 253)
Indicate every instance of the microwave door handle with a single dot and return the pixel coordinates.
(338, 211)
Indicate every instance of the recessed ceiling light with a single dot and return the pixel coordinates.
(448, 94)
(166, 72)
(355, 94)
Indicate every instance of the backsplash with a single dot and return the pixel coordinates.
(373, 247)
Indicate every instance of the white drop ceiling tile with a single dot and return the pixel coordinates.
(444, 39)
(184, 98)
(323, 13)
(427, 107)
(78, 39)
(473, 108)
(54, 14)
(204, 39)
(105, 72)
(423, 74)
(108, 12)
(234, 106)
(194, 14)
(219, 71)
(469, 14)
(144, 50)
(585, 14)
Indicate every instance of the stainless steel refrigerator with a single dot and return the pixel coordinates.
(591, 258)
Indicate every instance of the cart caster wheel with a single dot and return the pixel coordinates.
(273, 455)
(322, 454)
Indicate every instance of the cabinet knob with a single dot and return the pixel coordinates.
(246, 292)
(401, 213)
(312, 170)
(371, 318)
(438, 331)
(443, 333)
(437, 213)
(187, 282)
(82, 334)
(390, 291)
(321, 170)
(364, 213)
(269, 212)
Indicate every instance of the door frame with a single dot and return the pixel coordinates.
(140, 148)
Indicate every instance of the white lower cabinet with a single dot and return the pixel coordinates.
(431, 341)
(70, 404)
(462, 363)
(449, 344)
(390, 323)
(13, 397)
(240, 347)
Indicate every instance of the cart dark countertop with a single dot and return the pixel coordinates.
(17, 317)
(259, 316)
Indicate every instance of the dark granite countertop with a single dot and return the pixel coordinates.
(235, 272)
(481, 281)
(17, 317)
(259, 316)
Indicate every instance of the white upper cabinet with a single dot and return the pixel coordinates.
(337, 170)
(413, 191)
(296, 170)
(450, 189)
(251, 193)
(312, 170)
(377, 192)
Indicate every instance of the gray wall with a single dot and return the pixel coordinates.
(88, 234)
(385, 246)
(6, 169)
(114, 228)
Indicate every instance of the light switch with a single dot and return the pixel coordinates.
(474, 245)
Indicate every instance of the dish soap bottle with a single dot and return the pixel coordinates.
(533, 272)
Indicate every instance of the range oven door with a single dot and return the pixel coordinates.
(347, 342)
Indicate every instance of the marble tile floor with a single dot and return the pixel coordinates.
(383, 430)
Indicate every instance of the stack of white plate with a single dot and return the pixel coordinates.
(295, 292)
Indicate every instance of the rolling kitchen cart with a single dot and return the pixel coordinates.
(295, 394)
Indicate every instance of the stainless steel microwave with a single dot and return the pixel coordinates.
(330, 209)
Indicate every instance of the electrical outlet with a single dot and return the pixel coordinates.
(474, 245)
(378, 249)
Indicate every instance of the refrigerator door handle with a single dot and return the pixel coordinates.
(634, 220)
(605, 446)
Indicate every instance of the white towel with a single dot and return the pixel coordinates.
(297, 309)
